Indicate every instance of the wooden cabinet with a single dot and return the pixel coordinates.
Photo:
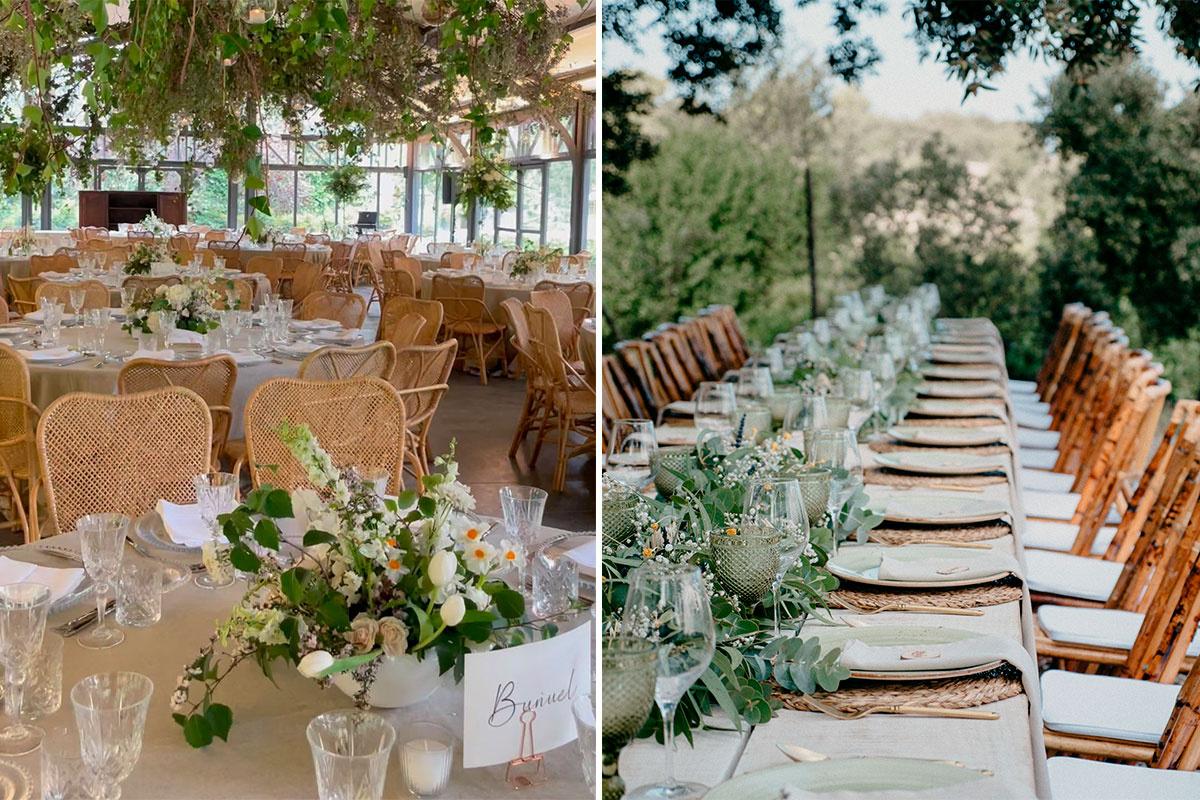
(109, 209)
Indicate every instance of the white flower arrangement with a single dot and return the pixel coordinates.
(193, 302)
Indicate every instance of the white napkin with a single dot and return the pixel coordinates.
(49, 354)
(340, 336)
(35, 316)
(977, 565)
(242, 358)
(160, 355)
(180, 336)
(183, 523)
(60, 581)
(315, 324)
(585, 556)
(299, 348)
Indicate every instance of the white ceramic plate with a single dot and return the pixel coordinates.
(955, 372)
(957, 408)
(959, 389)
(944, 355)
(861, 565)
(947, 436)
(851, 775)
(928, 508)
(940, 462)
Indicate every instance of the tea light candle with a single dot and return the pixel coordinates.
(426, 766)
(256, 16)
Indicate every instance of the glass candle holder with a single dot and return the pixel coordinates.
(746, 560)
(628, 675)
(667, 464)
(426, 758)
(755, 420)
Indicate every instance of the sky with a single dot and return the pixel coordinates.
(903, 86)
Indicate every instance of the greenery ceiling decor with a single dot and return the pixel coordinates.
(360, 70)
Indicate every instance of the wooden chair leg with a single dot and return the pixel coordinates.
(523, 425)
(560, 468)
(481, 358)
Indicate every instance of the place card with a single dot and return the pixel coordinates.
(499, 686)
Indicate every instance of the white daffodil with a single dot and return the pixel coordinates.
(479, 557)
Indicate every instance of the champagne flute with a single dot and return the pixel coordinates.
(23, 609)
(779, 503)
(668, 604)
(102, 541)
(631, 445)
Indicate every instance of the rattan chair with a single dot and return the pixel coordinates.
(533, 411)
(271, 267)
(338, 363)
(468, 319)
(421, 377)
(122, 453)
(559, 306)
(306, 278)
(135, 235)
(398, 283)
(316, 238)
(230, 251)
(96, 294)
(580, 293)
(245, 293)
(291, 248)
(406, 332)
(69, 252)
(215, 236)
(18, 423)
(346, 307)
(359, 422)
(465, 261)
(570, 401)
(24, 293)
(397, 308)
(56, 263)
(212, 378)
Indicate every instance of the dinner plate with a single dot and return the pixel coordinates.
(957, 408)
(149, 529)
(958, 372)
(959, 389)
(869, 774)
(917, 636)
(315, 324)
(939, 436)
(929, 508)
(861, 565)
(940, 462)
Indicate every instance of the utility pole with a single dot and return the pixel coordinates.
(812, 241)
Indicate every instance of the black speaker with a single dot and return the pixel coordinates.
(450, 184)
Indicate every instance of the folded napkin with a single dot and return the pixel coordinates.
(183, 523)
(35, 316)
(299, 348)
(242, 358)
(340, 336)
(159, 355)
(60, 581)
(315, 324)
(972, 564)
(49, 354)
(180, 336)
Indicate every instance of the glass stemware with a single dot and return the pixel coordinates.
(627, 675)
(778, 502)
(631, 446)
(715, 403)
(23, 609)
(110, 712)
(754, 383)
(350, 751)
(217, 494)
(523, 508)
(102, 541)
(807, 411)
(668, 605)
(76, 296)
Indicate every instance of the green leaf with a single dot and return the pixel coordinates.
(279, 504)
(220, 718)
(427, 506)
(349, 663)
(260, 203)
(333, 613)
(32, 113)
(510, 604)
(315, 537)
(266, 533)
(712, 682)
(291, 583)
(243, 558)
(252, 132)
(198, 731)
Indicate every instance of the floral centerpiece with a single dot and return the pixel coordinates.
(488, 182)
(483, 246)
(265, 234)
(22, 242)
(192, 301)
(142, 256)
(532, 259)
(375, 584)
(155, 225)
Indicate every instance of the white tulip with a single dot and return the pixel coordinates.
(453, 609)
(313, 664)
(442, 567)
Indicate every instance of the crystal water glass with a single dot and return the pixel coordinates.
(216, 494)
(632, 443)
(555, 579)
(669, 605)
(43, 696)
(139, 593)
(523, 508)
(23, 609)
(350, 751)
(583, 710)
(110, 712)
(715, 403)
(65, 775)
(76, 295)
(426, 758)
(102, 541)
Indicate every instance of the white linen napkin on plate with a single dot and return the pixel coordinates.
(947, 568)
(158, 355)
(60, 581)
(35, 316)
(180, 336)
(242, 358)
(49, 354)
(183, 523)
(299, 348)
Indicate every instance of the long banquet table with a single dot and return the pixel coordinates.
(1011, 747)
(267, 755)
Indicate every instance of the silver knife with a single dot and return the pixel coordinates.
(74, 626)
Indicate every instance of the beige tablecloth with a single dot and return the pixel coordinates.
(496, 288)
(1011, 747)
(316, 253)
(267, 755)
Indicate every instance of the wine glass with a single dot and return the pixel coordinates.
(631, 445)
(523, 508)
(715, 403)
(779, 503)
(102, 540)
(754, 383)
(808, 411)
(76, 295)
(110, 712)
(668, 604)
(858, 386)
(23, 609)
(216, 494)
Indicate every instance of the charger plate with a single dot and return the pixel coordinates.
(831, 637)
(846, 775)
(861, 565)
(957, 408)
(939, 462)
(936, 436)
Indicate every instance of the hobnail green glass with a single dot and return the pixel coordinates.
(618, 515)
(666, 462)
(747, 561)
(628, 674)
(815, 485)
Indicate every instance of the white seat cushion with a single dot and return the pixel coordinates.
(1046, 534)
(1100, 627)
(1033, 420)
(1045, 480)
(1029, 402)
(1070, 575)
(1080, 779)
(1108, 707)
(1039, 459)
(1022, 387)
(1057, 505)
(1037, 440)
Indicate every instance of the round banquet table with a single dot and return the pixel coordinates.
(315, 253)
(113, 280)
(496, 287)
(587, 347)
(267, 756)
(49, 381)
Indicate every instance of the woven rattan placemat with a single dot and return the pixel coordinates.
(869, 598)
(886, 477)
(855, 695)
(952, 422)
(895, 533)
(888, 446)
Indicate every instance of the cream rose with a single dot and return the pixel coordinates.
(453, 609)
(395, 636)
(362, 634)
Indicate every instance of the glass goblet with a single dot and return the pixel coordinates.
(523, 508)
(102, 541)
(23, 609)
(632, 444)
(715, 403)
(779, 503)
(110, 712)
(216, 494)
(76, 296)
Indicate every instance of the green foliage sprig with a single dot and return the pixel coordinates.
(346, 183)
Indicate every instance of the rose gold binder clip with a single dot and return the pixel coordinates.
(527, 769)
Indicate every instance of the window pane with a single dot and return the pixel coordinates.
(118, 179)
(314, 204)
(591, 177)
(280, 185)
(208, 204)
(427, 209)
(530, 211)
(391, 200)
(64, 202)
(558, 205)
(367, 201)
(10, 210)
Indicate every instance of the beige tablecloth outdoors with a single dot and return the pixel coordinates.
(267, 755)
(1011, 747)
